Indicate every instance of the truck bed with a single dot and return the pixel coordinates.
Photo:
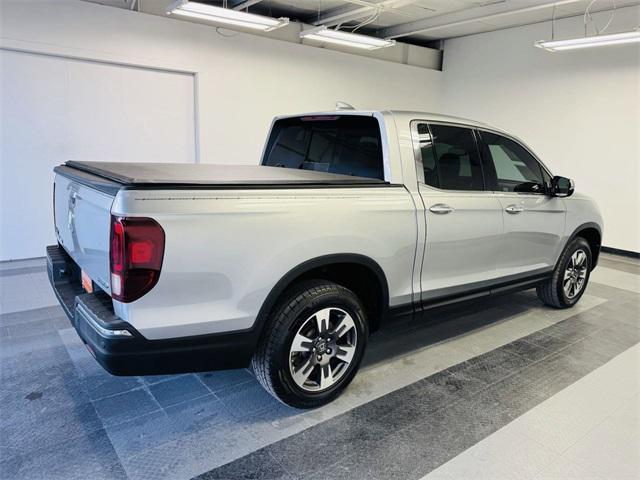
(110, 176)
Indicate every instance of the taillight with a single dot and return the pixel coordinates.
(136, 252)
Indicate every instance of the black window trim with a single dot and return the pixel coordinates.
(380, 118)
(415, 140)
(477, 133)
(541, 165)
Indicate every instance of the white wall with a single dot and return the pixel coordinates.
(579, 110)
(54, 109)
(241, 82)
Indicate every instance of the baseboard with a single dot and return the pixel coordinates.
(618, 251)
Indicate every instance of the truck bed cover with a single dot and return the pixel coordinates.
(168, 175)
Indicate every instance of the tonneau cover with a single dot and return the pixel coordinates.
(178, 174)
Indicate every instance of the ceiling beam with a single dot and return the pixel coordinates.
(245, 4)
(347, 13)
(466, 16)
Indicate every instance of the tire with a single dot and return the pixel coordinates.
(285, 354)
(554, 293)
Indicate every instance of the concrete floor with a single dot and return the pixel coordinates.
(505, 388)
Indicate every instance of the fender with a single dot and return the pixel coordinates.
(312, 264)
(576, 232)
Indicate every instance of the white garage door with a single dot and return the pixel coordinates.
(55, 109)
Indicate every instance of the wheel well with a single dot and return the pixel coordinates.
(360, 280)
(592, 236)
(368, 284)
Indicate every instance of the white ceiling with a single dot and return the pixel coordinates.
(414, 21)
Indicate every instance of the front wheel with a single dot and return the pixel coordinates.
(570, 277)
(312, 344)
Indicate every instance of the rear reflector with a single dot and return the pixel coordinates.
(136, 252)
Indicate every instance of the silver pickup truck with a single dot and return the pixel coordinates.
(353, 218)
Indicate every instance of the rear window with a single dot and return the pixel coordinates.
(344, 144)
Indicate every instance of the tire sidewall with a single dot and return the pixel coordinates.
(340, 298)
(577, 244)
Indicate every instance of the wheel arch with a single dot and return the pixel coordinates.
(359, 273)
(592, 233)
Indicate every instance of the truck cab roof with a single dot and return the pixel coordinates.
(407, 115)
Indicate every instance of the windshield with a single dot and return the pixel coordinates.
(343, 144)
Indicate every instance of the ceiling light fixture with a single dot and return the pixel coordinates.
(587, 42)
(224, 15)
(347, 39)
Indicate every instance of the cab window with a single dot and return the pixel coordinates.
(513, 167)
(457, 161)
(344, 144)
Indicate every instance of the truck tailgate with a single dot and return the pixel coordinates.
(82, 224)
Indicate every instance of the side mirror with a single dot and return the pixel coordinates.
(561, 187)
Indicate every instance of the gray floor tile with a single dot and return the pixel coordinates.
(485, 368)
(458, 383)
(47, 427)
(45, 344)
(480, 416)
(548, 342)
(404, 454)
(125, 406)
(246, 399)
(12, 272)
(34, 327)
(86, 457)
(178, 390)
(151, 379)
(605, 345)
(530, 351)
(572, 329)
(102, 384)
(261, 466)
(16, 318)
(163, 426)
(225, 378)
(191, 454)
(336, 437)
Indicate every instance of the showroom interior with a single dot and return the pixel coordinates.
(495, 387)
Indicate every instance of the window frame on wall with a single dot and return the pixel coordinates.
(419, 162)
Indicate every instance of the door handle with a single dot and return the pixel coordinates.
(513, 209)
(440, 209)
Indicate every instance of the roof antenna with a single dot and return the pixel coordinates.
(343, 106)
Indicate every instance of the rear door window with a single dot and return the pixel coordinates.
(343, 144)
(457, 159)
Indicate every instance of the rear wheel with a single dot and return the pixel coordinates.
(312, 344)
(570, 277)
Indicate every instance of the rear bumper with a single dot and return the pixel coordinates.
(121, 349)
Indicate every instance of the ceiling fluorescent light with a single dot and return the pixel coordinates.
(225, 15)
(347, 39)
(587, 42)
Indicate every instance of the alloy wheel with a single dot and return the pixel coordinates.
(575, 274)
(322, 349)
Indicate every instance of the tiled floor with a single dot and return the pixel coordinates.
(501, 388)
(588, 430)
